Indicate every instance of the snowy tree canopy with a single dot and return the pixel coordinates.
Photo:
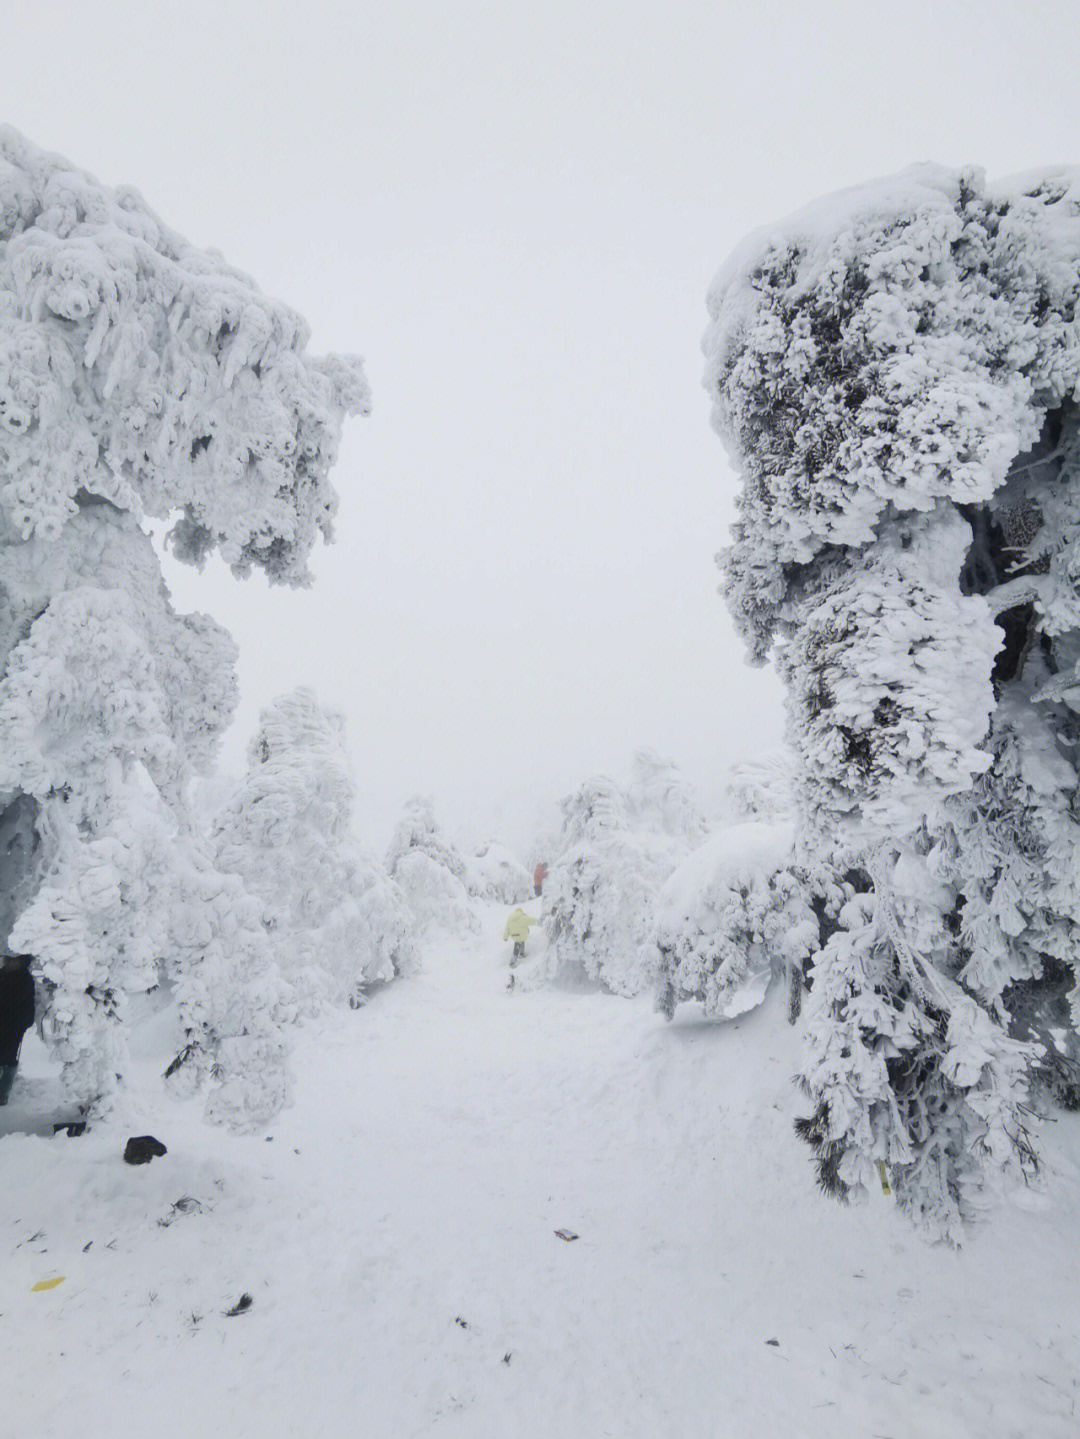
(336, 922)
(617, 848)
(759, 789)
(895, 373)
(731, 916)
(140, 377)
(494, 873)
(431, 871)
(140, 370)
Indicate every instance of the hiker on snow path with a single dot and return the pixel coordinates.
(517, 929)
(539, 875)
(16, 1015)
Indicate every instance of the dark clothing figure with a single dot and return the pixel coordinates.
(539, 875)
(16, 1015)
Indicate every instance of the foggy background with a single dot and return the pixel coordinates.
(513, 212)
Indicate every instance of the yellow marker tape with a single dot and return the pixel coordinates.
(44, 1284)
(884, 1173)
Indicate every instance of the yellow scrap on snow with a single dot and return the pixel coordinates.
(43, 1284)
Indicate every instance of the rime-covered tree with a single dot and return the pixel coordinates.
(598, 893)
(494, 873)
(336, 922)
(895, 372)
(618, 846)
(660, 801)
(430, 871)
(736, 914)
(141, 379)
(759, 789)
(419, 830)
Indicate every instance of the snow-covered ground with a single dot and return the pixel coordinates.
(396, 1232)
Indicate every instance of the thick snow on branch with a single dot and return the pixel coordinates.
(139, 369)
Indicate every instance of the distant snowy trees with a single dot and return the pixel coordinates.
(419, 832)
(660, 804)
(335, 921)
(494, 873)
(895, 372)
(759, 789)
(430, 871)
(140, 379)
(617, 848)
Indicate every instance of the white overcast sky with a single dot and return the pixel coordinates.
(513, 212)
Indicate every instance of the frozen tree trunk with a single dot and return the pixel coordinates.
(19, 864)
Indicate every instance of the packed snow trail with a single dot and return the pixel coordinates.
(397, 1235)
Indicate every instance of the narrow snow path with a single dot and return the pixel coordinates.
(398, 1238)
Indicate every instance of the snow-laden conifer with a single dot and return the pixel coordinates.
(140, 379)
(759, 789)
(430, 871)
(494, 873)
(336, 922)
(732, 916)
(895, 372)
(614, 854)
(419, 830)
(660, 802)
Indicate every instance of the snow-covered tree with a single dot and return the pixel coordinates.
(336, 922)
(618, 846)
(597, 902)
(419, 830)
(895, 372)
(494, 873)
(430, 871)
(735, 914)
(759, 789)
(140, 379)
(660, 801)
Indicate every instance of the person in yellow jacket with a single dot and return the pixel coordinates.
(517, 929)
